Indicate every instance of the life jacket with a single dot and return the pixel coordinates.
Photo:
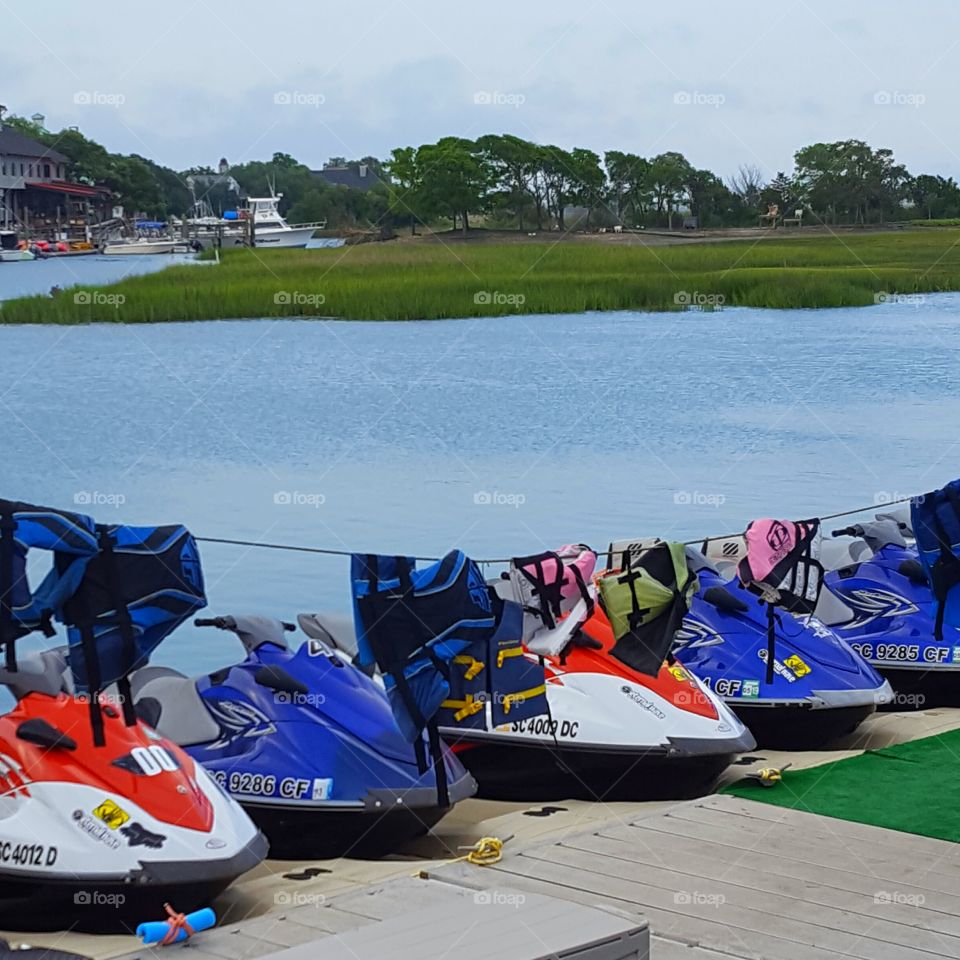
(72, 540)
(446, 645)
(935, 518)
(141, 585)
(645, 600)
(498, 673)
(555, 592)
(782, 566)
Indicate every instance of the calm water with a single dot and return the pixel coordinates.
(38, 276)
(500, 436)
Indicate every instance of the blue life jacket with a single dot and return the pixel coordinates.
(935, 518)
(426, 629)
(119, 590)
(72, 540)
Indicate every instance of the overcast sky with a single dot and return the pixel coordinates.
(186, 81)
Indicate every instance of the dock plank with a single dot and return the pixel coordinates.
(841, 886)
(850, 934)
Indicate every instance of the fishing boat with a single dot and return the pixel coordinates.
(269, 228)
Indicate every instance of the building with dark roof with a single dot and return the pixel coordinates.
(35, 194)
(355, 176)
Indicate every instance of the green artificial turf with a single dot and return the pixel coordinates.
(913, 787)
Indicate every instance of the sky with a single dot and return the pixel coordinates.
(188, 81)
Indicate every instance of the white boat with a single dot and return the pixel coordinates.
(10, 250)
(128, 248)
(269, 227)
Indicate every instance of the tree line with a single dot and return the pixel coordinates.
(513, 183)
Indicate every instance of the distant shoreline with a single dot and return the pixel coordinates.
(444, 276)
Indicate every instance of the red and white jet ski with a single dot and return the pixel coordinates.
(612, 734)
(99, 838)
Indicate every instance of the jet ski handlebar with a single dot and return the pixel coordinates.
(852, 531)
(229, 623)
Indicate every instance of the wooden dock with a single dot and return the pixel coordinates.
(717, 878)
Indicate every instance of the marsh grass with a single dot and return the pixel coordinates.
(413, 281)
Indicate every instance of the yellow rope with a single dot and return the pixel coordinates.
(485, 852)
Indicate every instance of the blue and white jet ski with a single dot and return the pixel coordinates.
(821, 688)
(304, 740)
(878, 598)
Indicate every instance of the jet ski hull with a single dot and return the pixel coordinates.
(309, 832)
(919, 689)
(98, 904)
(798, 727)
(552, 773)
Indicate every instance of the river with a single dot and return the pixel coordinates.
(501, 436)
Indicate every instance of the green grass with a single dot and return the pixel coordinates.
(913, 787)
(943, 222)
(426, 281)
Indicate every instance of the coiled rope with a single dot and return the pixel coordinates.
(330, 552)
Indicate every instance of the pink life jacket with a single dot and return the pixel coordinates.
(555, 590)
(782, 565)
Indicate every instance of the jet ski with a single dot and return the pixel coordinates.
(303, 740)
(612, 733)
(98, 838)
(821, 689)
(879, 599)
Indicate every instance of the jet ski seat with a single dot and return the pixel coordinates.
(901, 517)
(835, 554)
(335, 629)
(40, 672)
(176, 708)
(831, 610)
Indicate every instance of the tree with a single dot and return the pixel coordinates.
(588, 179)
(405, 189)
(849, 180)
(629, 184)
(668, 174)
(708, 195)
(513, 164)
(454, 178)
(556, 167)
(935, 196)
(747, 183)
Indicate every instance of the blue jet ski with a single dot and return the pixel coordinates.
(877, 596)
(304, 740)
(821, 689)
